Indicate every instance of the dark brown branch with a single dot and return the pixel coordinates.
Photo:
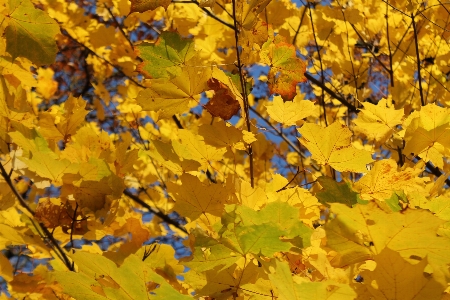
(373, 54)
(389, 47)
(244, 91)
(118, 26)
(158, 213)
(47, 233)
(284, 187)
(341, 99)
(322, 75)
(299, 25)
(419, 76)
(104, 59)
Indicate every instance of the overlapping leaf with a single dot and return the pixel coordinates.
(30, 28)
(286, 69)
(331, 146)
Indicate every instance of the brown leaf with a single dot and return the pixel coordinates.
(52, 215)
(223, 104)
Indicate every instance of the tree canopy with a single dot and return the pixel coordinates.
(224, 149)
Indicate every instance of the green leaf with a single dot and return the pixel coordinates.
(30, 33)
(165, 58)
(393, 203)
(334, 192)
(210, 253)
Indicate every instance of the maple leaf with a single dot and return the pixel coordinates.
(192, 146)
(286, 69)
(30, 28)
(144, 5)
(209, 253)
(249, 10)
(63, 124)
(331, 146)
(176, 95)
(167, 57)
(359, 233)
(100, 278)
(393, 275)
(223, 104)
(378, 122)
(288, 289)
(384, 178)
(289, 113)
(194, 198)
(428, 134)
(334, 192)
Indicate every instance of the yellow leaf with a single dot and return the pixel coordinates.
(359, 233)
(428, 134)
(393, 276)
(144, 5)
(385, 178)
(194, 198)
(378, 122)
(63, 124)
(46, 86)
(332, 146)
(192, 146)
(176, 95)
(6, 268)
(290, 112)
(249, 137)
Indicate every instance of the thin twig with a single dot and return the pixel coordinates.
(284, 187)
(208, 13)
(280, 134)
(391, 73)
(47, 233)
(160, 214)
(244, 91)
(350, 106)
(299, 25)
(322, 75)
(118, 26)
(370, 50)
(419, 76)
(104, 59)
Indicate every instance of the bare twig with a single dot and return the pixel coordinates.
(419, 76)
(284, 187)
(244, 91)
(158, 213)
(54, 243)
(118, 26)
(322, 75)
(341, 99)
(209, 13)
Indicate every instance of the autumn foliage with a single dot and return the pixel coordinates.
(224, 149)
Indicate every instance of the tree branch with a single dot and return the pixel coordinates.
(350, 106)
(244, 91)
(48, 234)
(158, 213)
